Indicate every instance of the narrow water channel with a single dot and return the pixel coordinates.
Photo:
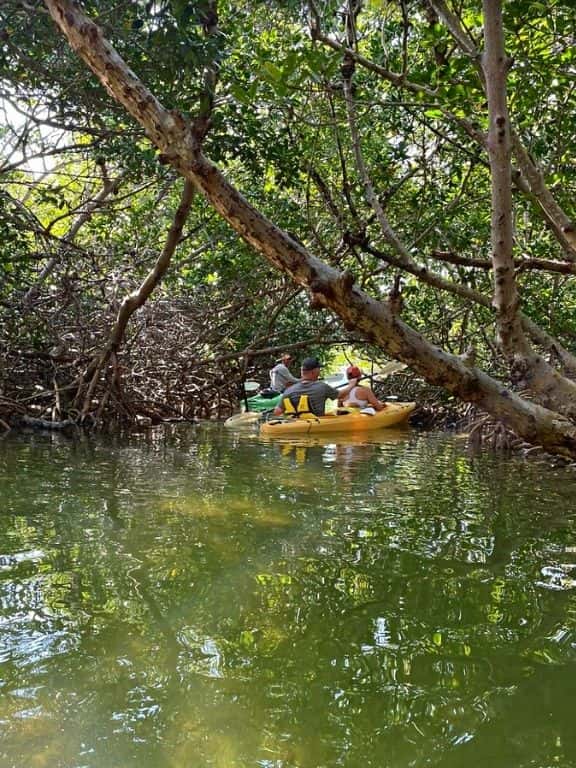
(191, 597)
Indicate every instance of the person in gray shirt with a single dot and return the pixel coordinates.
(317, 392)
(280, 376)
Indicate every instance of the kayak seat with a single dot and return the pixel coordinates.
(269, 393)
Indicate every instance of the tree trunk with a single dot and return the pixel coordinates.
(527, 368)
(506, 299)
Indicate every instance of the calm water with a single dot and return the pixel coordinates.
(195, 598)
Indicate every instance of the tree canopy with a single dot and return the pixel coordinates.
(403, 167)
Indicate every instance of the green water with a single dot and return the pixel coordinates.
(191, 598)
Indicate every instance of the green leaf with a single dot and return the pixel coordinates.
(272, 70)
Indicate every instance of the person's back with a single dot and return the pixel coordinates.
(317, 393)
(356, 397)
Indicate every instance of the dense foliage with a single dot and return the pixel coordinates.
(86, 200)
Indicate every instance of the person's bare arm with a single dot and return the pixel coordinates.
(372, 400)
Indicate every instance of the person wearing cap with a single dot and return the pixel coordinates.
(307, 398)
(359, 396)
(280, 376)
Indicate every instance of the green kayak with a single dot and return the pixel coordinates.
(259, 403)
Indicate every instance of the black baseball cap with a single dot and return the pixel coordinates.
(310, 364)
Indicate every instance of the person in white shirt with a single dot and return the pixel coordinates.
(280, 376)
(359, 396)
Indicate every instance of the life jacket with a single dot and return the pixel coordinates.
(299, 410)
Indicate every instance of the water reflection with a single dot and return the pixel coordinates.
(348, 454)
(191, 597)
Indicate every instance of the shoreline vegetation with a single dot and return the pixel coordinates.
(40, 409)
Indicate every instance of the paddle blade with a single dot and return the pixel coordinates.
(240, 420)
(389, 369)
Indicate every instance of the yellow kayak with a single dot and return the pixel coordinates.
(354, 422)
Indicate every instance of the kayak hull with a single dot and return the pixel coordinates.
(260, 404)
(355, 423)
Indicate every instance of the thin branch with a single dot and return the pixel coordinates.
(521, 265)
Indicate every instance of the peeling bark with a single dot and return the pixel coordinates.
(506, 299)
